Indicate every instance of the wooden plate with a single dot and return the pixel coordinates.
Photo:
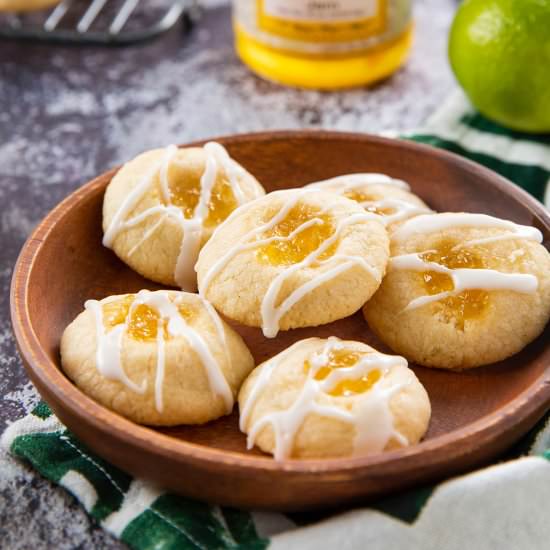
(476, 414)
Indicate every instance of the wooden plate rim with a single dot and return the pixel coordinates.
(47, 372)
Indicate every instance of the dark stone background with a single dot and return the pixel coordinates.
(68, 113)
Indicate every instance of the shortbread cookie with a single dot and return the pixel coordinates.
(160, 358)
(462, 290)
(294, 258)
(161, 207)
(380, 194)
(332, 398)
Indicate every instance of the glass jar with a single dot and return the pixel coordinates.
(323, 44)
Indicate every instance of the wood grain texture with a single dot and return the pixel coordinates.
(476, 414)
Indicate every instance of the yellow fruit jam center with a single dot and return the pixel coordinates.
(143, 322)
(115, 313)
(469, 304)
(361, 197)
(185, 193)
(344, 359)
(292, 250)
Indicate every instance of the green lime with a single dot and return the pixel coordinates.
(500, 54)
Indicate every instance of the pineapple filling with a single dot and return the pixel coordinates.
(304, 242)
(185, 193)
(143, 323)
(380, 211)
(469, 304)
(222, 203)
(345, 359)
(361, 198)
(358, 196)
(115, 313)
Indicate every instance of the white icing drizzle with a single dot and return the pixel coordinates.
(465, 278)
(109, 344)
(370, 414)
(439, 222)
(348, 182)
(219, 327)
(401, 210)
(270, 312)
(192, 228)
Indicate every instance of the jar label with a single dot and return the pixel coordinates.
(322, 20)
(338, 10)
(323, 26)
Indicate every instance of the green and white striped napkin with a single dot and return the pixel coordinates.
(522, 158)
(503, 507)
